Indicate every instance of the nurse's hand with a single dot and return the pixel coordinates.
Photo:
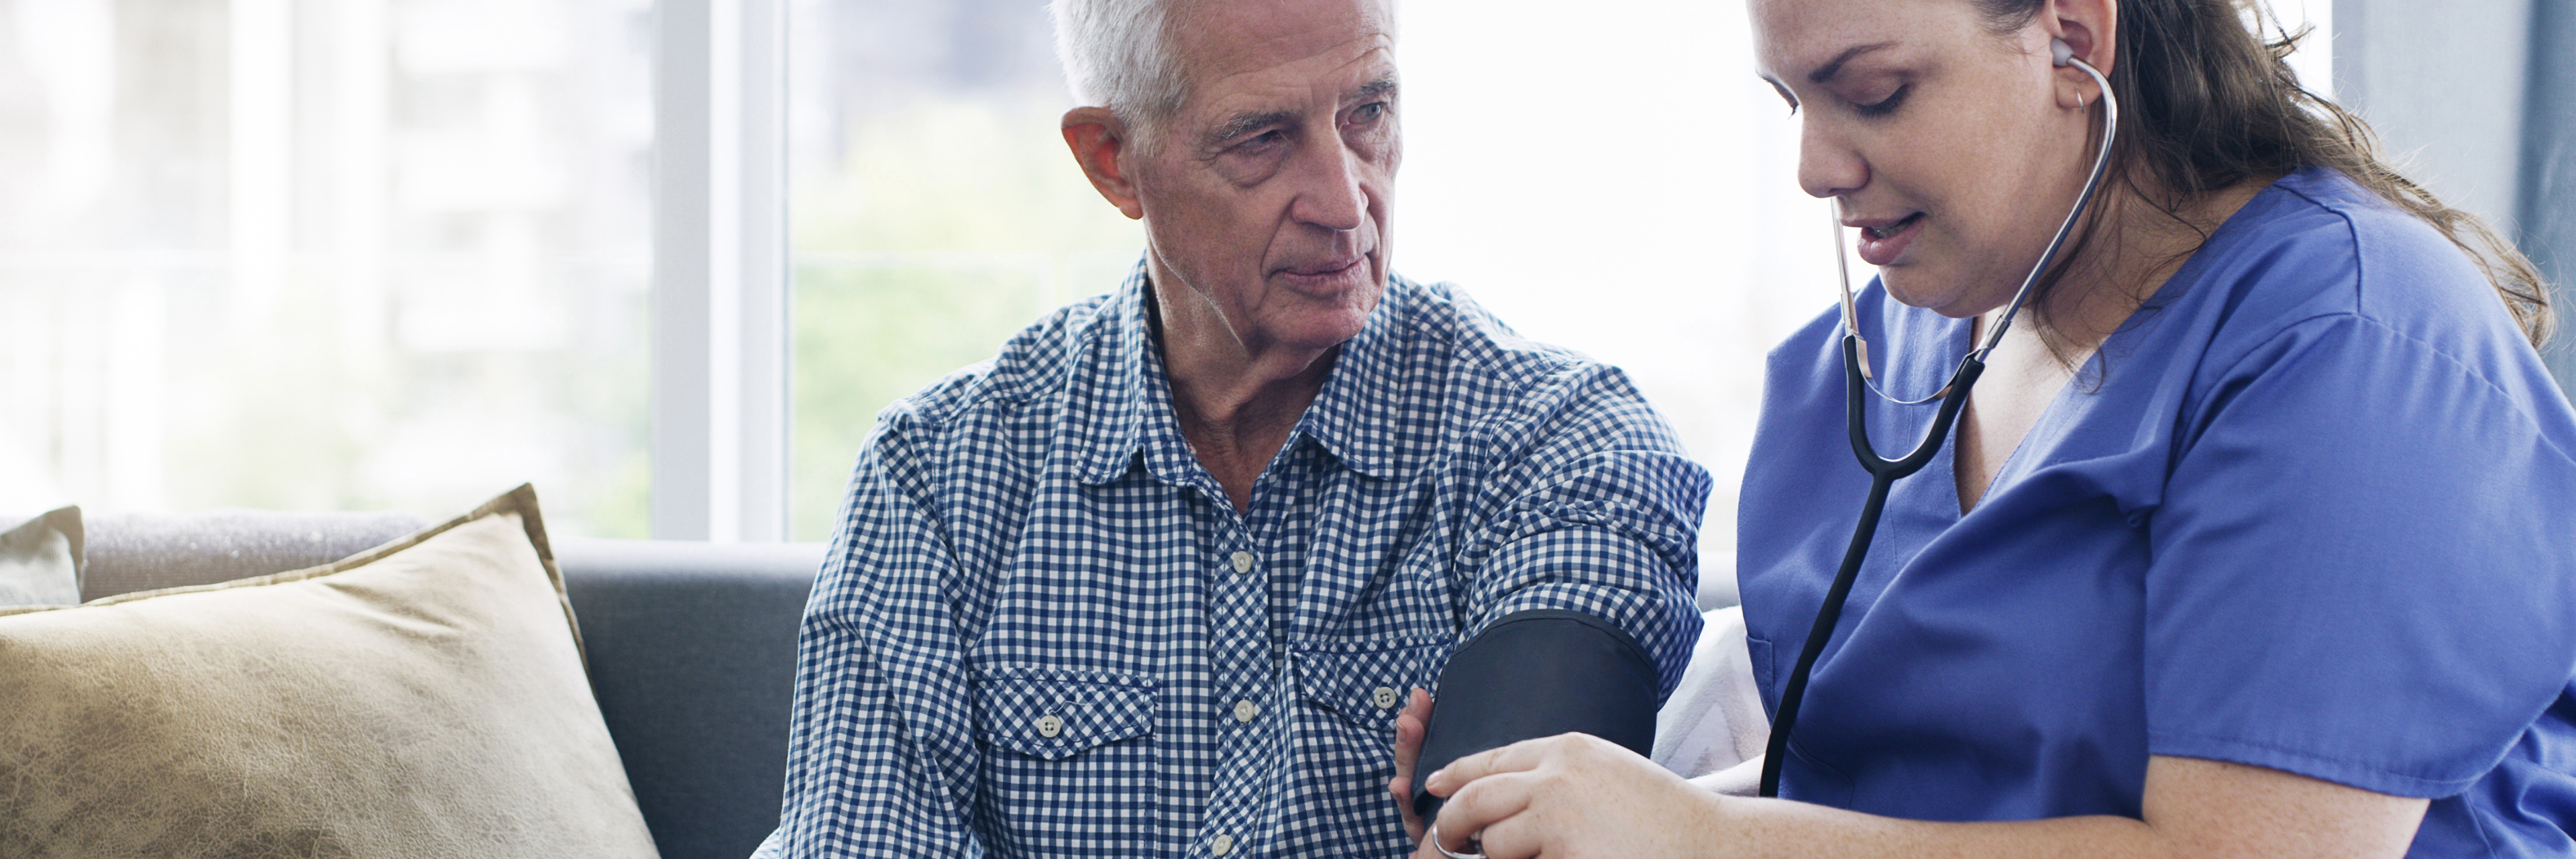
(1409, 727)
(1573, 796)
(1570, 796)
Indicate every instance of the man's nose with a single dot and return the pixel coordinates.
(1827, 166)
(1329, 193)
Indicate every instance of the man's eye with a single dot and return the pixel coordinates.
(1886, 105)
(1368, 113)
(1264, 141)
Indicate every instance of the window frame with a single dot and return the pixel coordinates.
(720, 303)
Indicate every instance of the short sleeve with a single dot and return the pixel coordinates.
(2361, 565)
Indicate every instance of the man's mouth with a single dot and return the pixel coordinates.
(1325, 268)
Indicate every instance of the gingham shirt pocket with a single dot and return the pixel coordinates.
(1365, 682)
(1053, 714)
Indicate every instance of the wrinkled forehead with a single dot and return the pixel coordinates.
(1231, 50)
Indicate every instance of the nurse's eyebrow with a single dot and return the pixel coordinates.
(1825, 73)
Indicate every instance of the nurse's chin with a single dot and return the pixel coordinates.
(1913, 286)
(1943, 297)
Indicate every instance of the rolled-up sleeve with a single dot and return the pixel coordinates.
(1589, 505)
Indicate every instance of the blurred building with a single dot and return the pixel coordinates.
(297, 253)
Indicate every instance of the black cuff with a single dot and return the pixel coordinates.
(1538, 674)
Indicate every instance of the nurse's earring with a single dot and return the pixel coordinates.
(2062, 55)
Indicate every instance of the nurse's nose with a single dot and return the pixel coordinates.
(1826, 166)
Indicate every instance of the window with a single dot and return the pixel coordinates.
(349, 254)
(1657, 224)
(936, 211)
(399, 253)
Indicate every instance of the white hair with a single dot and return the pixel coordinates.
(1118, 54)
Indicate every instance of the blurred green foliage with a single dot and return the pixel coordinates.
(943, 230)
(868, 336)
(269, 410)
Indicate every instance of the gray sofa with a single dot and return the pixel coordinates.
(692, 646)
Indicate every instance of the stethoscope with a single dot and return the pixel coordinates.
(1884, 472)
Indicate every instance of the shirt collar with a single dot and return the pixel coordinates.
(1354, 417)
(1132, 418)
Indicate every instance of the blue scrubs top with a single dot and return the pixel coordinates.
(2312, 509)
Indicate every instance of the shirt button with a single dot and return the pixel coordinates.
(1384, 698)
(1243, 711)
(1049, 726)
(1243, 562)
(1221, 845)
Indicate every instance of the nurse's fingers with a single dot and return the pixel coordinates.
(1516, 837)
(1518, 757)
(1480, 805)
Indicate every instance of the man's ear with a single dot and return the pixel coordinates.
(1097, 138)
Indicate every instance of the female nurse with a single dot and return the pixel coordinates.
(2257, 538)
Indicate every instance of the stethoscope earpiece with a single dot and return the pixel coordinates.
(2060, 54)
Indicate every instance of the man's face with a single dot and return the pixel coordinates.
(1268, 192)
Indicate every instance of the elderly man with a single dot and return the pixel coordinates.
(1153, 581)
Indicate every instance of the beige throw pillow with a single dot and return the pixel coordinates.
(40, 560)
(422, 699)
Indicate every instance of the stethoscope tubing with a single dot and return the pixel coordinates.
(1884, 472)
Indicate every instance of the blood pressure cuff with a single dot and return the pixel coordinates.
(1535, 674)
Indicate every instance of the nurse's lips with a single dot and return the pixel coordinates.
(1883, 240)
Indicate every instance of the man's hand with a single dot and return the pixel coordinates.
(1409, 726)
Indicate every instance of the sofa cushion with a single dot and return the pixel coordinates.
(40, 560)
(425, 698)
(693, 656)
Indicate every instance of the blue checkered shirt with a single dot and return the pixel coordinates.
(1045, 631)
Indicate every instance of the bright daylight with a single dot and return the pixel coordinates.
(1228, 428)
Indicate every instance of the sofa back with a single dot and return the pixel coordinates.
(691, 646)
(149, 551)
(693, 656)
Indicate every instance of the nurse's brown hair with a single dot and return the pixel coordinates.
(2207, 101)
